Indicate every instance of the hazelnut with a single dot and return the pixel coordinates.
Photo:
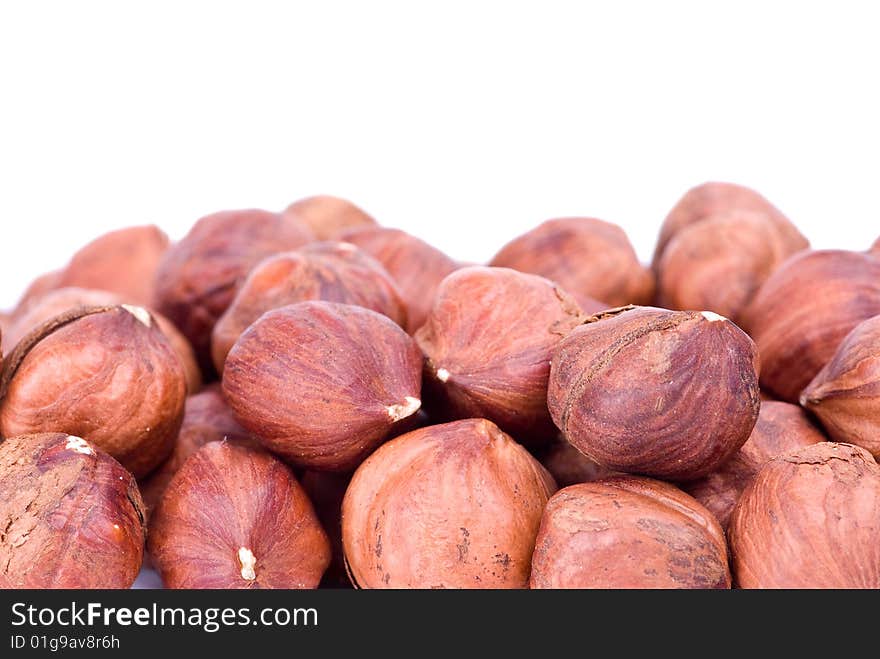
(671, 394)
(803, 312)
(721, 262)
(328, 217)
(488, 342)
(628, 532)
(235, 517)
(323, 384)
(591, 259)
(326, 492)
(197, 279)
(107, 374)
(809, 520)
(568, 466)
(417, 267)
(71, 515)
(845, 394)
(781, 427)
(875, 248)
(335, 272)
(36, 290)
(449, 506)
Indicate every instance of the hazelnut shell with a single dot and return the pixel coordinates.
(568, 466)
(328, 217)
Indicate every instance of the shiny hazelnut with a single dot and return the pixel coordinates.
(330, 271)
(328, 217)
(235, 517)
(326, 492)
(417, 267)
(591, 259)
(449, 506)
(845, 394)
(781, 427)
(671, 394)
(198, 277)
(322, 384)
(568, 466)
(628, 532)
(71, 515)
(721, 262)
(488, 342)
(106, 374)
(809, 519)
(803, 312)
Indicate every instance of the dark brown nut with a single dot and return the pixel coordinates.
(326, 492)
(328, 217)
(628, 532)
(417, 267)
(781, 427)
(450, 506)
(591, 259)
(671, 394)
(809, 520)
(107, 374)
(488, 342)
(71, 516)
(198, 277)
(122, 262)
(711, 198)
(235, 517)
(721, 262)
(330, 271)
(323, 384)
(568, 466)
(803, 312)
(845, 394)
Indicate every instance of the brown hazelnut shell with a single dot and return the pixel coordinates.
(628, 532)
(568, 466)
(323, 384)
(71, 516)
(449, 506)
(671, 394)
(37, 288)
(106, 374)
(328, 217)
(235, 517)
(809, 520)
(589, 258)
(803, 312)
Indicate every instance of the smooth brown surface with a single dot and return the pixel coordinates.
(591, 259)
(318, 382)
(568, 466)
(235, 517)
(628, 532)
(671, 394)
(328, 217)
(449, 506)
(488, 342)
(71, 516)
(803, 312)
(106, 374)
(810, 520)
(330, 271)
(781, 427)
(845, 394)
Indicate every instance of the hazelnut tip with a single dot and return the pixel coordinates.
(140, 313)
(442, 374)
(248, 564)
(711, 316)
(405, 409)
(78, 445)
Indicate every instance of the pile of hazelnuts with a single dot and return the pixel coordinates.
(306, 398)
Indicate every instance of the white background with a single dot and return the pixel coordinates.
(463, 122)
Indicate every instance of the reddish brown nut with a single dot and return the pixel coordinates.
(197, 279)
(845, 394)
(37, 289)
(875, 248)
(326, 492)
(107, 374)
(417, 267)
(628, 532)
(721, 262)
(235, 517)
(781, 427)
(71, 516)
(591, 259)
(323, 384)
(328, 217)
(450, 506)
(568, 466)
(809, 520)
(330, 271)
(488, 343)
(672, 394)
(803, 312)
